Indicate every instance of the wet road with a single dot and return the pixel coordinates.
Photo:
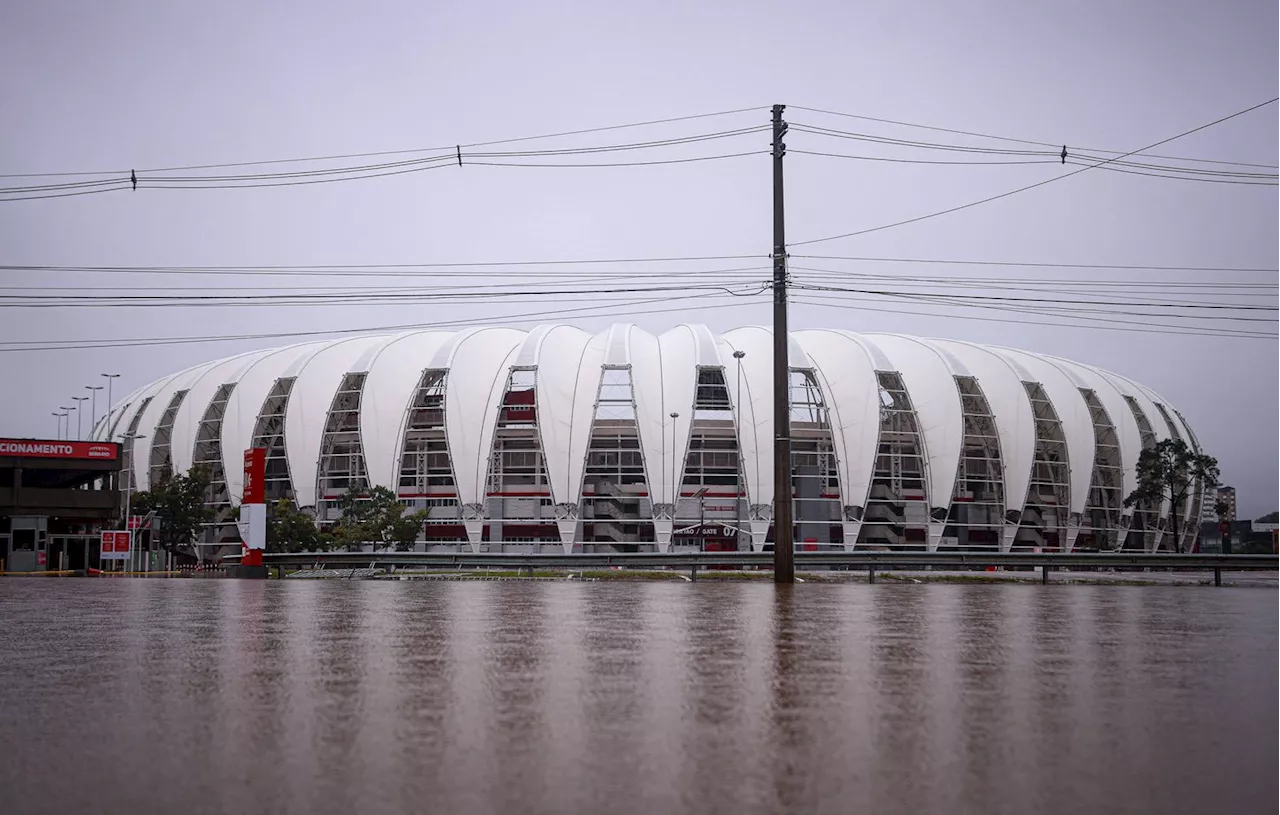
(218, 696)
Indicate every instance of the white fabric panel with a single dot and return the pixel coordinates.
(567, 384)
(1073, 412)
(755, 414)
(1011, 407)
(678, 352)
(1117, 411)
(141, 461)
(656, 363)
(122, 405)
(318, 380)
(479, 361)
(141, 447)
(186, 425)
(847, 376)
(1157, 422)
(936, 400)
(245, 404)
(393, 376)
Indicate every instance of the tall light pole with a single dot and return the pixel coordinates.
(737, 403)
(675, 488)
(59, 418)
(79, 400)
(93, 390)
(130, 439)
(109, 378)
(68, 410)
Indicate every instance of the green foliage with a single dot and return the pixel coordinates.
(1270, 518)
(377, 517)
(1168, 471)
(179, 503)
(1221, 509)
(289, 529)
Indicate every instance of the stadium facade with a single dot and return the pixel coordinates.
(626, 441)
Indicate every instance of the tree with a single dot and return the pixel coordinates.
(1269, 518)
(289, 529)
(179, 502)
(1168, 471)
(376, 516)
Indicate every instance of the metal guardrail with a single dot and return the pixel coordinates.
(849, 560)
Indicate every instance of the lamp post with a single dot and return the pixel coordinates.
(79, 400)
(59, 416)
(109, 378)
(93, 411)
(129, 438)
(675, 488)
(68, 414)
(737, 403)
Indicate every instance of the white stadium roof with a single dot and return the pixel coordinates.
(663, 369)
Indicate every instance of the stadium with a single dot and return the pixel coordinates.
(555, 439)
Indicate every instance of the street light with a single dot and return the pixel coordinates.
(109, 378)
(128, 484)
(59, 417)
(737, 403)
(675, 488)
(93, 390)
(80, 400)
(68, 410)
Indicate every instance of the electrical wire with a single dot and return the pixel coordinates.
(1038, 323)
(415, 150)
(377, 270)
(343, 298)
(1008, 193)
(1039, 264)
(1025, 141)
(1050, 156)
(918, 161)
(1073, 302)
(559, 314)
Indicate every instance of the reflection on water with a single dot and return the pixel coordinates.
(207, 696)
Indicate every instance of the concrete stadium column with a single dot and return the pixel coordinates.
(851, 530)
(935, 535)
(568, 528)
(475, 532)
(1007, 534)
(759, 532)
(662, 529)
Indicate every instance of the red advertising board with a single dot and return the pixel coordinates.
(255, 471)
(115, 545)
(43, 448)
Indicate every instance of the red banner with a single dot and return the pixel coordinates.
(255, 471)
(42, 448)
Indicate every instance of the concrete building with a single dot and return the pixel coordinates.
(627, 441)
(1228, 496)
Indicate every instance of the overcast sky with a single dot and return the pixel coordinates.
(102, 86)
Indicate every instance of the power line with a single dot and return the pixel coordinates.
(441, 149)
(1072, 302)
(920, 161)
(991, 198)
(1050, 156)
(842, 304)
(1039, 264)
(1025, 141)
(64, 345)
(382, 269)
(341, 298)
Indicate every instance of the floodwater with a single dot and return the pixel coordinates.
(221, 696)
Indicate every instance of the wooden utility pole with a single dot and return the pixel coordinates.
(784, 567)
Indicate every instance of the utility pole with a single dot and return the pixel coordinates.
(784, 566)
